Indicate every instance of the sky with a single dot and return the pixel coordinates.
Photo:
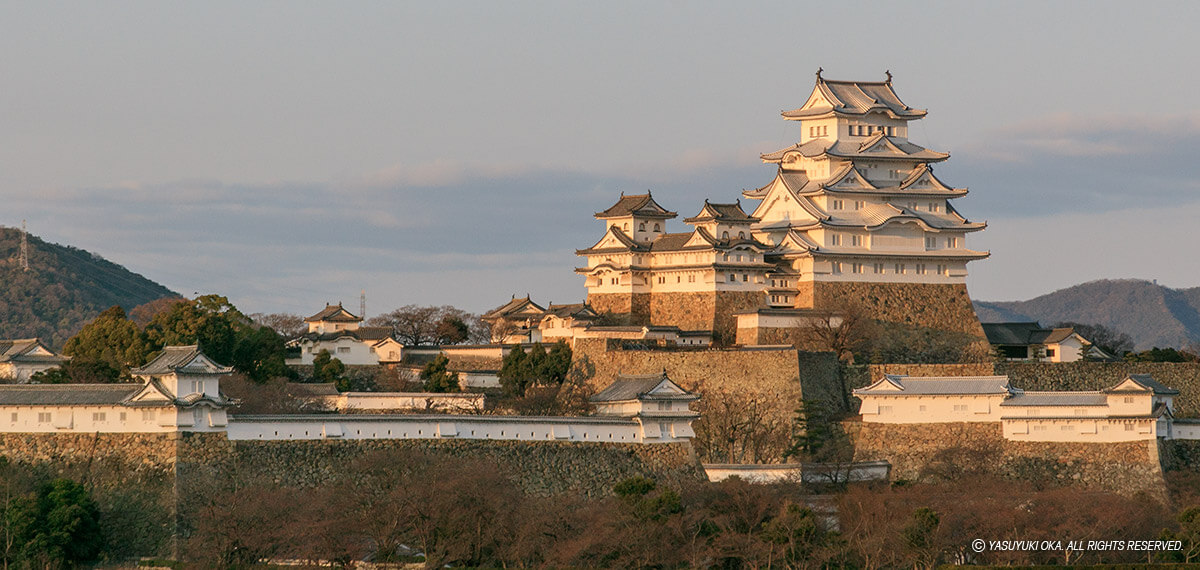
(289, 154)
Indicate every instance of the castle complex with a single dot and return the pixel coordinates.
(854, 214)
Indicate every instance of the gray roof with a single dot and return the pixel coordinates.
(334, 313)
(311, 389)
(1057, 399)
(1149, 382)
(65, 394)
(17, 350)
(637, 387)
(516, 304)
(857, 98)
(893, 148)
(921, 386)
(722, 212)
(172, 358)
(641, 205)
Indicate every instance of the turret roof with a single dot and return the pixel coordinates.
(25, 350)
(640, 205)
(334, 313)
(853, 98)
(175, 358)
(516, 304)
(729, 213)
(876, 147)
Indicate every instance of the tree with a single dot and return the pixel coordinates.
(326, 368)
(288, 325)
(554, 368)
(812, 430)
(79, 372)
(1111, 341)
(57, 524)
(223, 333)
(437, 378)
(842, 330)
(417, 325)
(515, 372)
(920, 537)
(112, 339)
(1189, 534)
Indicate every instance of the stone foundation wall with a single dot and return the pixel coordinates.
(928, 305)
(1182, 376)
(687, 310)
(933, 451)
(728, 304)
(796, 337)
(589, 469)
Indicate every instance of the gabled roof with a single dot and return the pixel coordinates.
(882, 147)
(643, 387)
(853, 98)
(365, 334)
(1142, 383)
(187, 359)
(728, 213)
(1025, 333)
(640, 205)
(28, 350)
(573, 310)
(909, 385)
(335, 314)
(614, 241)
(516, 305)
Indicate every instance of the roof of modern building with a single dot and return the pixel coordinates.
(641, 205)
(854, 98)
(912, 385)
(334, 313)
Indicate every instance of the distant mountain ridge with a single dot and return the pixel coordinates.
(1151, 314)
(64, 288)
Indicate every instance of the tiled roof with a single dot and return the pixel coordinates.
(856, 98)
(898, 149)
(730, 213)
(1057, 399)
(512, 306)
(18, 350)
(334, 313)
(1150, 383)
(1012, 333)
(65, 394)
(172, 358)
(311, 389)
(577, 310)
(939, 385)
(635, 387)
(642, 205)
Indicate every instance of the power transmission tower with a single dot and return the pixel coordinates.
(23, 260)
(362, 305)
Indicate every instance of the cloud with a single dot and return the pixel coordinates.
(1071, 163)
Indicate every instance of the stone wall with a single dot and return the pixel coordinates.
(693, 310)
(543, 468)
(728, 304)
(933, 451)
(1182, 376)
(929, 305)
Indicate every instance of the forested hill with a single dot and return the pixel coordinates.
(64, 288)
(1152, 315)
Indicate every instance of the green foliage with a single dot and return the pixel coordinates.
(520, 370)
(920, 536)
(635, 492)
(58, 524)
(112, 339)
(328, 369)
(79, 372)
(1162, 355)
(797, 530)
(63, 289)
(812, 430)
(634, 487)
(437, 378)
(451, 330)
(224, 334)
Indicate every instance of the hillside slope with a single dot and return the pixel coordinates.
(64, 288)
(1151, 314)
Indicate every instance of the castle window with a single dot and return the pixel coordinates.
(656, 227)
(890, 131)
(952, 242)
(960, 407)
(859, 204)
(679, 279)
(739, 257)
(14, 417)
(741, 235)
(812, 132)
(642, 227)
(691, 278)
(149, 415)
(43, 417)
(856, 241)
(835, 239)
(837, 267)
(941, 270)
(1049, 353)
(837, 205)
(745, 277)
(732, 278)
(878, 268)
(98, 416)
(920, 269)
(1067, 428)
(626, 226)
(1128, 427)
(900, 269)
(856, 267)
(1129, 399)
(824, 130)
(343, 349)
(934, 207)
(725, 235)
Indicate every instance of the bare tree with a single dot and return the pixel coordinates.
(416, 325)
(288, 325)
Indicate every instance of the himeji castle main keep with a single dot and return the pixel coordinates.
(854, 214)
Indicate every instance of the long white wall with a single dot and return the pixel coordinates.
(109, 419)
(524, 428)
